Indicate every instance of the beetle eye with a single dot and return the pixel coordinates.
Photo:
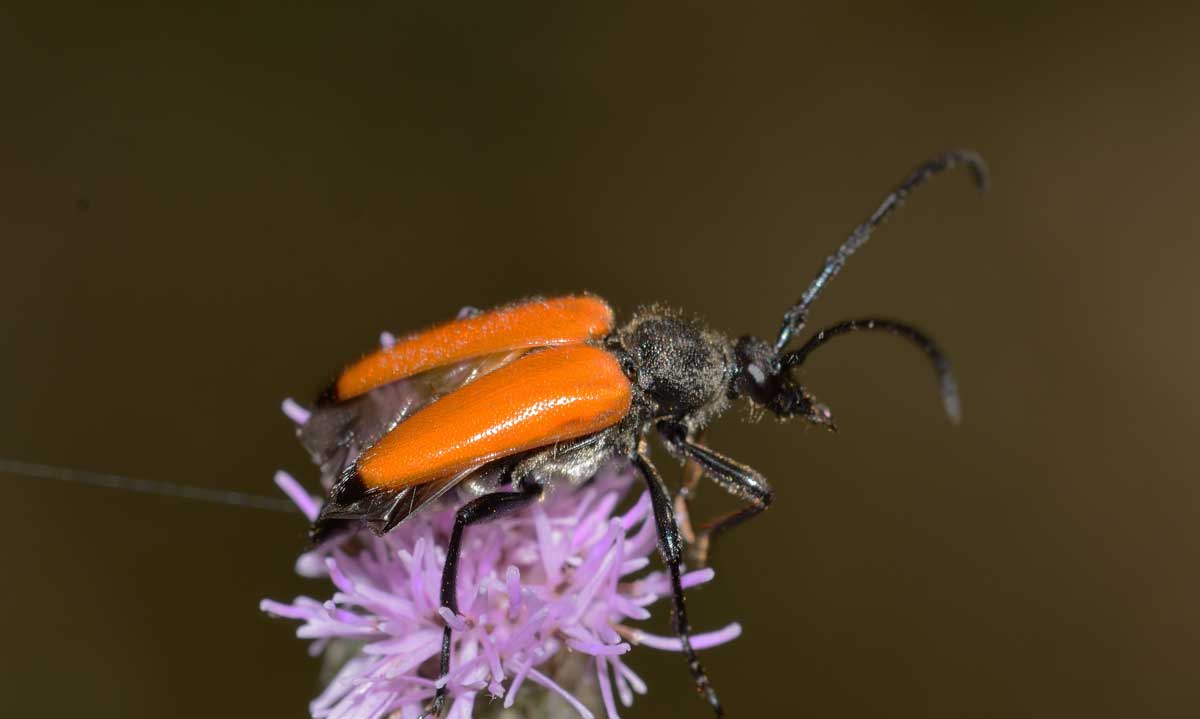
(757, 370)
(756, 373)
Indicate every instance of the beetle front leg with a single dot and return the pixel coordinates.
(734, 477)
(692, 472)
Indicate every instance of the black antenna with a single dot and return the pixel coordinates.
(947, 386)
(146, 486)
(796, 317)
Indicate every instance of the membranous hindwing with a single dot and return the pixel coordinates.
(336, 434)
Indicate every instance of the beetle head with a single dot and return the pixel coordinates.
(765, 379)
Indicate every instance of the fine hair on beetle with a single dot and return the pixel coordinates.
(497, 407)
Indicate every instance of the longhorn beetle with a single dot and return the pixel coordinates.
(508, 402)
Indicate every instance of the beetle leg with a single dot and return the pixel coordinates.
(671, 546)
(734, 477)
(481, 509)
(692, 472)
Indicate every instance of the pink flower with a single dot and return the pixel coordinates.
(568, 575)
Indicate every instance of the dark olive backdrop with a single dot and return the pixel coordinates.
(205, 210)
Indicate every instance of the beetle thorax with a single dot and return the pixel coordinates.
(682, 368)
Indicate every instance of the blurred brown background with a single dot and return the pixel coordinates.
(206, 210)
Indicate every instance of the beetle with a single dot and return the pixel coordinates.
(507, 404)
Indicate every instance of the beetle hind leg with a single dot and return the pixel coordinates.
(481, 509)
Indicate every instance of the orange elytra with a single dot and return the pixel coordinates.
(524, 325)
(544, 397)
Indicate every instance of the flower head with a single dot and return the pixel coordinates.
(562, 577)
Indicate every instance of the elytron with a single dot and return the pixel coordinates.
(504, 405)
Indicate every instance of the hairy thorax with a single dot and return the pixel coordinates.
(681, 367)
